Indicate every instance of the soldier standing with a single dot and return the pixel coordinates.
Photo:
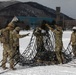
(16, 37)
(39, 33)
(7, 46)
(58, 41)
(73, 41)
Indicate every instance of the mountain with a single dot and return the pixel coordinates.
(27, 9)
(4, 4)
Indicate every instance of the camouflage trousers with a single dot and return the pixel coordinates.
(7, 53)
(59, 55)
(74, 50)
(16, 54)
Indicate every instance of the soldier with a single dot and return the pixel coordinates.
(40, 44)
(7, 46)
(58, 41)
(16, 37)
(73, 41)
(42, 39)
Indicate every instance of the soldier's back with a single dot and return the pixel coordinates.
(5, 36)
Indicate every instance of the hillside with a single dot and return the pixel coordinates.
(28, 9)
(4, 4)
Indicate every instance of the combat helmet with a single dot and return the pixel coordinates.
(17, 28)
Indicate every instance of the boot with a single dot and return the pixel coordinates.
(4, 68)
(39, 61)
(13, 68)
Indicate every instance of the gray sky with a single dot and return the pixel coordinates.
(68, 7)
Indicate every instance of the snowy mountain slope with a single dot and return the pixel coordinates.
(28, 9)
(61, 69)
(4, 4)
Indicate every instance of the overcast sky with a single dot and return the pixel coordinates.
(68, 7)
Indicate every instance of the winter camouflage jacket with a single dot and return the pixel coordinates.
(73, 38)
(58, 38)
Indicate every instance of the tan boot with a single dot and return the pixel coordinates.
(13, 68)
(4, 68)
(39, 61)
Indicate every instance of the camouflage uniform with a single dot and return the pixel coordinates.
(39, 43)
(58, 44)
(73, 40)
(39, 37)
(7, 46)
(16, 37)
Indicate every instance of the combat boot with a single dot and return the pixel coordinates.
(13, 68)
(4, 68)
(39, 61)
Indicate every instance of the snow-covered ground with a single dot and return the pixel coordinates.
(61, 69)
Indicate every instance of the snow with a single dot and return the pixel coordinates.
(61, 69)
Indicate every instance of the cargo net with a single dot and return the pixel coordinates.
(30, 53)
